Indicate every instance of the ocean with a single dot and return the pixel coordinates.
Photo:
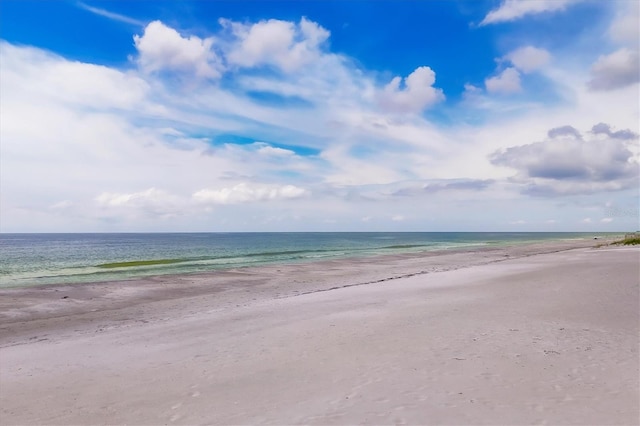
(38, 259)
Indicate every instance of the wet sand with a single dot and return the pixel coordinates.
(535, 334)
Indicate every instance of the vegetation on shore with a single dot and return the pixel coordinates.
(630, 240)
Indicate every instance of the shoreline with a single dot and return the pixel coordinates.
(531, 334)
(132, 266)
(23, 305)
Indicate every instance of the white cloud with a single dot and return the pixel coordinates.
(605, 129)
(587, 220)
(570, 163)
(620, 68)
(110, 15)
(246, 193)
(162, 48)
(263, 160)
(508, 81)
(511, 10)
(125, 132)
(471, 91)
(606, 220)
(151, 201)
(108, 199)
(271, 151)
(397, 218)
(50, 78)
(283, 44)
(616, 70)
(61, 205)
(528, 58)
(625, 28)
(417, 94)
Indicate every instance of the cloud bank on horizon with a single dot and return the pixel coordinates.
(214, 116)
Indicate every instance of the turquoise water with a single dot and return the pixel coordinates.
(37, 259)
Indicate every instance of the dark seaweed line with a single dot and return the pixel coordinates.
(156, 262)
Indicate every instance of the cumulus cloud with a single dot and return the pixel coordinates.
(126, 130)
(417, 94)
(523, 60)
(151, 201)
(564, 131)
(616, 70)
(511, 10)
(605, 129)
(283, 44)
(470, 91)
(246, 193)
(162, 48)
(625, 28)
(508, 81)
(620, 68)
(528, 58)
(568, 163)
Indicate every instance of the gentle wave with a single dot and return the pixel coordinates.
(134, 263)
(405, 246)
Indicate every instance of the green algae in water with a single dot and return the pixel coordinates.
(135, 263)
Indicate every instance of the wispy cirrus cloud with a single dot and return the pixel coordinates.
(511, 10)
(111, 15)
(261, 125)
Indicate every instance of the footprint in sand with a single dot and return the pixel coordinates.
(194, 391)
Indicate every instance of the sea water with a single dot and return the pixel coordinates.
(37, 259)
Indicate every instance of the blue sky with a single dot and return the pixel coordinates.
(319, 115)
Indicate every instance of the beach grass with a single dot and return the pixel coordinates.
(135, 263)
(628, 241)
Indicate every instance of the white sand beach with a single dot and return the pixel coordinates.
(537, 334)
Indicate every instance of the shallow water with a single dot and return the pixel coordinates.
(37, 259)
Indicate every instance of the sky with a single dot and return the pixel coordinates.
(323, 115)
